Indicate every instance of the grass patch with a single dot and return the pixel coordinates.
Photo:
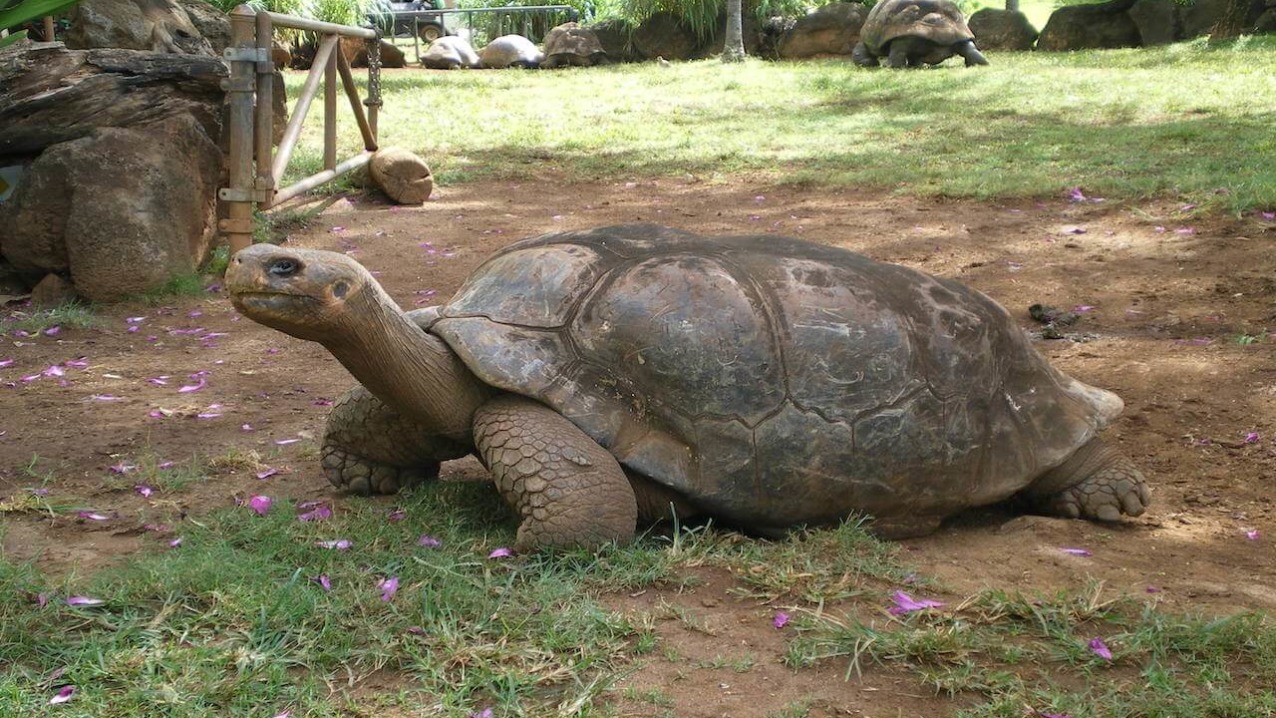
(68, 315)
(235, 622)
(1013, 652)
(1189, 121)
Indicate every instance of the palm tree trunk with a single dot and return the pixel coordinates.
(733, 43)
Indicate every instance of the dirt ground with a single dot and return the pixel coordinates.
(1165, 301)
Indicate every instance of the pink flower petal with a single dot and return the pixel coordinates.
(260, 504)
(501, 552)
(1253, 534)
(42, 599)
(396, 515)
(158, 380)
(428, 541)
(106, 397)
(319, 513)
(175, 542)
(188, 388)
(122, 468)
(324, 582)
(5, 362)
(285, 442)
(781, 620)
(1252, 437)
(54, 370)
(84, 601)
(269, 472)
(93, 516)
(338, 544)
(389, 587)
(63, 695)
(1100, 649)
(53, 331)
(144, 491)
(246, 427)
(905, 603)
(1075, 551)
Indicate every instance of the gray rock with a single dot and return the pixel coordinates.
(1085, 27)
(1003, 29)
(614, 38)
(155, 25)
(1160, 22)
(831, 30)
(212, 24)
(120, 211)
(664, 35)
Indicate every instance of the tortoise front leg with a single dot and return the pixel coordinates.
(568, 490)
(370, 448)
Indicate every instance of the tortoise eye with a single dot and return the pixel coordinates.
(284, 267)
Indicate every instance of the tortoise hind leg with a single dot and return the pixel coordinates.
(1097, 482)
(370, 448)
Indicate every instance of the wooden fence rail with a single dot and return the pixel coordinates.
(255, 168)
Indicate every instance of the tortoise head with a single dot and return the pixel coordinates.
(310, 294)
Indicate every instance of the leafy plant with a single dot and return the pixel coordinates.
(15, 12)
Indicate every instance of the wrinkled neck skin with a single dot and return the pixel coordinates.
(413, 372)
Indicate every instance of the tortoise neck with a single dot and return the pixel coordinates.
(412, 371)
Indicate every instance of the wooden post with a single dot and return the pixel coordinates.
(48, 28)
(264, 120)
(238, 224)
(330, 111)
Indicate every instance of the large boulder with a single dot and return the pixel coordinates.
(997, 29)
(120, 211)
(155, 25)
(121, 164)
(212, 24)
(832, 30)
(1086, 27)
(615, 38)
(1200, 17)
(664, 35)
(1160, 22)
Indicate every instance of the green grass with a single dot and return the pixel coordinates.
(1189, 121)
(68, 315)
(234, 623)
(1015, 651)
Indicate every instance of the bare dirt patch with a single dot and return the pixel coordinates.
(1166, 302)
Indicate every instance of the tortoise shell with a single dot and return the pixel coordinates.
(773, 381)
(939, 21)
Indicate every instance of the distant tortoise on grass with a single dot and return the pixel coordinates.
(510, 51)
(449, 53)
(570, 45)
(604, 376)
(909, 33)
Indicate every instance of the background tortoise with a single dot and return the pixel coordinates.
(766, 382)
(912, 32)
(449, 53)
(570, 44)
(510, 51)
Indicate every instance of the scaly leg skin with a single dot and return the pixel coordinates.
(566, 488)
(369, 448)
(1097, 483)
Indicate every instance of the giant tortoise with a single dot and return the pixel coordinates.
(910, 33)
(621, 373)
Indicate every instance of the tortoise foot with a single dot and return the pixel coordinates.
(1111, 486)
(356, 474)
